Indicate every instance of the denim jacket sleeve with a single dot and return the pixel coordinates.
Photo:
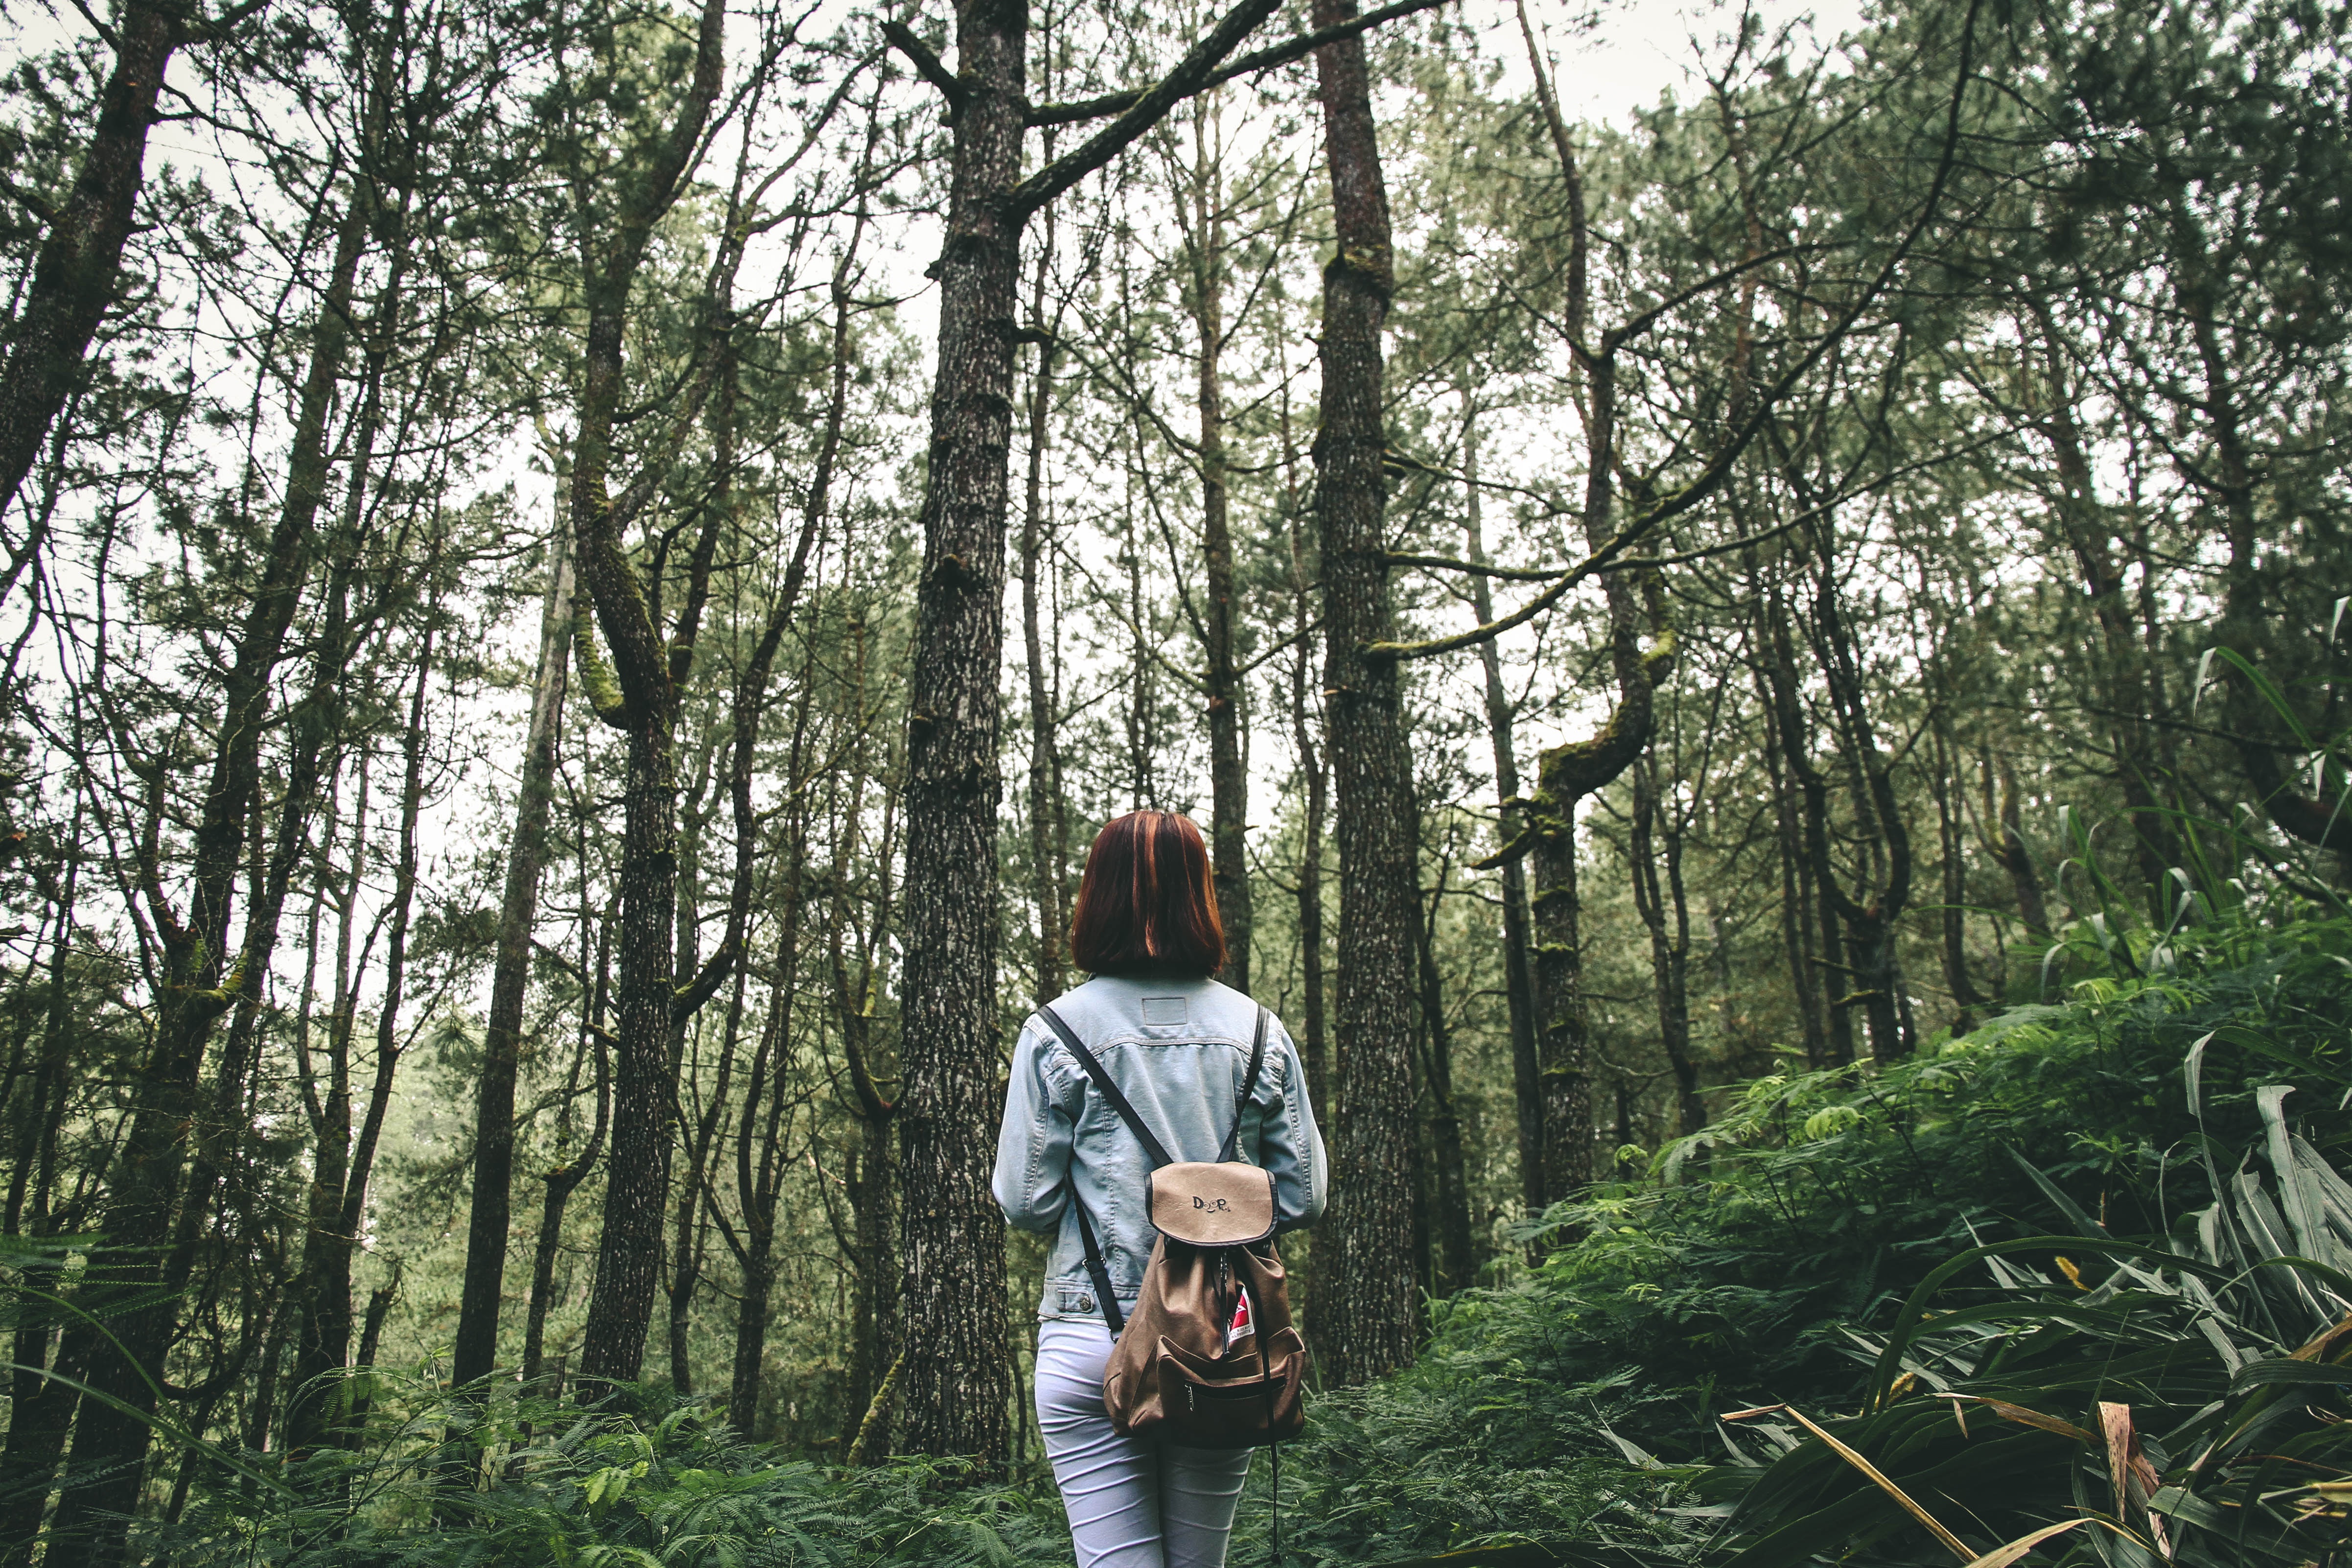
(1042, 1102)
(1289, 1144)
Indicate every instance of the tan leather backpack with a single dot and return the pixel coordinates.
(1181, 1369)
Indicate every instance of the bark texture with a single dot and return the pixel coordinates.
(958, 1378)
(1366, 1316)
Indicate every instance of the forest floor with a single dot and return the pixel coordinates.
(2020, 1223)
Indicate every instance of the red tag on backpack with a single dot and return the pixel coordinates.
(1241, 1327)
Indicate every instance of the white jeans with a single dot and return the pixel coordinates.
(1131, 1503)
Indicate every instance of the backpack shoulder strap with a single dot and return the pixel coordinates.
(1098, 1269)
(1094, 1070)
(1249, 1087)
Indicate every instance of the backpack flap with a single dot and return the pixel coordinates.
(1213, 1205)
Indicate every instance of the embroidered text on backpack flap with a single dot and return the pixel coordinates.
(1206, 1205)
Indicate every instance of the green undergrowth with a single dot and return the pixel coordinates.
(666, 1489)
(2052, 1275)
(1823, 1198)
(2074, 1271)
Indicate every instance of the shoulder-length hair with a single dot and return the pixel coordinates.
(1145, 905)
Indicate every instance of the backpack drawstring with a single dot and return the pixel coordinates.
(1276, 1448)
(1265, 1382)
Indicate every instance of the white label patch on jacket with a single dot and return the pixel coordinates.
(1164, 1010)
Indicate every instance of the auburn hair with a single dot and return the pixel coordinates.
(1146, 904)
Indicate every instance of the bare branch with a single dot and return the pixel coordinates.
(1280, 54)
(934, 70)
(1192, 74)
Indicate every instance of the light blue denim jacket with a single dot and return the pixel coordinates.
(1178, 1049)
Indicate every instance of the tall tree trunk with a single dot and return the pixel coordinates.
(638, 694)
(1664, 908)
(629, 1250)
(1796, 882)
(1228, 770)
(959, 1381)
(1946, 783)
(479, 1303)
(1304, 713)
(1567, 773)
(1518, 979)
(74, 269)
(41, 1397)
(1793, 736)
(338, 1201)
(1458, 1261)
(957, 1377)
(1045, 772)
(197, 987)
(1367, 1317)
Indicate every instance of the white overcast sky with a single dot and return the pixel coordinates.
(1635, 50)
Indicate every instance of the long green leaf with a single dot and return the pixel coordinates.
(2002, 1556)
(2286, 1370)
(2067, 1206)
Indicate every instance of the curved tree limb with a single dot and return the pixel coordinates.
(1280, 54)
(1190, 75)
